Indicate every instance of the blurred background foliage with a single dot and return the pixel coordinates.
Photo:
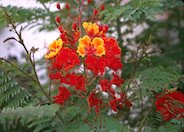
(151, 36)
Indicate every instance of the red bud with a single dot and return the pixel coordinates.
(89, 1)
(67, 6)
(63, 36)
(58, 6)
(95, 12)
(60, 28)
(74, 26)
(105, 28)
(58, 19)
(102, 7)
(100, 27)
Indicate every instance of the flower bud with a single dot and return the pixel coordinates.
(67, 6)
(74, 26)
(105, 28)
(60, 28)
(58, 19)
(102, 7)
(95, 12)
(89, 1)
(58, 6)
(63, 36)
(100, 27)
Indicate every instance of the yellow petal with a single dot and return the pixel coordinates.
(81, 51)
(95, 28)
(97, 42)
(50, 55)
(100, 50)
(85, 41)
(85, 25)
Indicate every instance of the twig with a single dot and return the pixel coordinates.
(25, 73)
(143, 121)
(142, 56)
(142, 107)
(48, 11)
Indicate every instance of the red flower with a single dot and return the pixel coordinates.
(170, 105)
(66, 60)
(119, 103)
(117, 80)
(113, 54)
(56, 75)
(94, 102)
(95, 64)
(114, 104)
(105, 84)
(77, 81)
(115, 64)
(106, 87)
(63, 95)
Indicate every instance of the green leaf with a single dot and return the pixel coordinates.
(156, 78)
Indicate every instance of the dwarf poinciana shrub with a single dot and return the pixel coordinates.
(79, 60)
(83, 56)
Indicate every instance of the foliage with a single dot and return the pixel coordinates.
(157, 78)
(36, 118)
(138, 10)
(11, 94)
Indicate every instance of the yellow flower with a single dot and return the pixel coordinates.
(54, 48)
(91, 28)
(91, 46)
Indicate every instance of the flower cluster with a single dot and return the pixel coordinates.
(80, 61)
(170, 105)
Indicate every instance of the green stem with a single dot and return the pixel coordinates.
(143, 121)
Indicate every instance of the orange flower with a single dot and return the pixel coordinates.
(54, 48)
(91, 46)
(91, 29)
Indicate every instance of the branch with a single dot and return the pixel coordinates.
(21, 41)
(144, 120)
(48, 11)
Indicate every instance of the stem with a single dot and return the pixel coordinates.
(80, 16)
(143, 54)
(142, 107)
(143, 121)
(92, 80)
(118, 28)
(134, 72)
